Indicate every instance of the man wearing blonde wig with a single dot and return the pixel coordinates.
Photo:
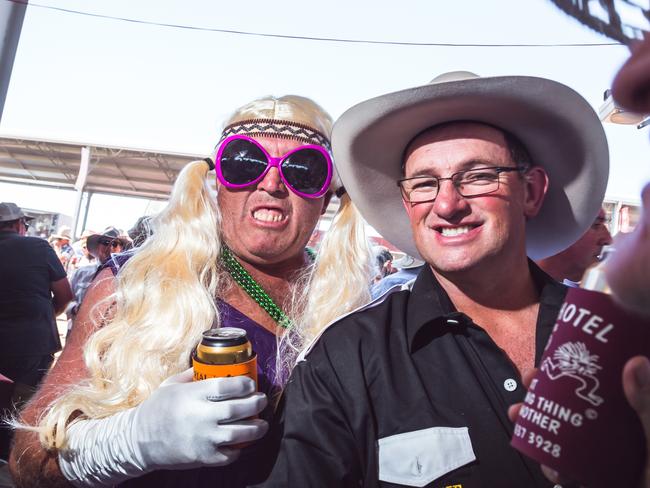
(132, 414)
(476, 176)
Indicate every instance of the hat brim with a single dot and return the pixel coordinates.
(558, 127)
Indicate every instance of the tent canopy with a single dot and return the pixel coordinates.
(112, 170)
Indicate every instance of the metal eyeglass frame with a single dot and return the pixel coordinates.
(457, 184)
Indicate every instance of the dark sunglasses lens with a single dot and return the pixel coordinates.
(306, 170)
(242, 162)
(105, 242)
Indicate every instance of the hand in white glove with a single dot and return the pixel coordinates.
(182, 425)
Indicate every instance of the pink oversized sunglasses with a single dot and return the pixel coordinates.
(241, 161)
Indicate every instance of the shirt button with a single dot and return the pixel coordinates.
(510, 384)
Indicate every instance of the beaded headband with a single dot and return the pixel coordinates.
(283, 129)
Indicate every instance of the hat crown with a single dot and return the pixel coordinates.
(454, 76)
(10, 211)
(64, 232)
(111, 232)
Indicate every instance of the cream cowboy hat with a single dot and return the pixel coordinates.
(64, 232)
(558, 127)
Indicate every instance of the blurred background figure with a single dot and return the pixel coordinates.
(406, 269)
(141, 230)
(570, 265)
(60, 242)
(384, 262)
(100, 247)
(33, 290)
(82, 257)
(110, 241)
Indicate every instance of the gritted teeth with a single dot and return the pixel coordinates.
(455, 231)
(269, 215)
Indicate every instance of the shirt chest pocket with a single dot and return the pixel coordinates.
(419, 457)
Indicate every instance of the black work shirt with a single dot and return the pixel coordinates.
(28, 266)
(408, 392)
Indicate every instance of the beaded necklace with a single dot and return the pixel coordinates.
(253, 288)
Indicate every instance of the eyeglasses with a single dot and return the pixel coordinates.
(306, 170)
(468, 183)
(26, 224)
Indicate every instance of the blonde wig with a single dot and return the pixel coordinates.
(336, 284)
(164, 296)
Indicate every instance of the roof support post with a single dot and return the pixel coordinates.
(79, 185)
(12, 15)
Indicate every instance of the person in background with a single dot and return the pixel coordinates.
(408, 268)
(384, 263)
(568, 266)
(82, 256)
(134, 416)
(141, 230)
(33, 290)
(60, 241)
(100, 247)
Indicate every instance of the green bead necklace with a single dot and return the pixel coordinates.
(254, 290)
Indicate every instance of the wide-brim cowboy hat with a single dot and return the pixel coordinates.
(64, 232)
(558, 127)
(405, 261)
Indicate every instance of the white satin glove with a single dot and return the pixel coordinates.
(182, 425)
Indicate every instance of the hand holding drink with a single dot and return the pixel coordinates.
(575, 417)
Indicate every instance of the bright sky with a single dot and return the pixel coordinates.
(86, 79)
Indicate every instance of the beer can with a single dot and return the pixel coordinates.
(224, 352)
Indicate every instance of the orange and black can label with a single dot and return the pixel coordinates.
(224, 352)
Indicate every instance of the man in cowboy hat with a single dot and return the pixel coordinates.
(476, 176)
(61, 243)
(100, 246)
(110, 241)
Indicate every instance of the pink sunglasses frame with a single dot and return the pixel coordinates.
(273, 162)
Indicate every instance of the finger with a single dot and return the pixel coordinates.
(241, 432)
(513, 411)
(636, 385)
(645, 198)
(238, 408)
(183, 377)
(554, 476)
(220, 457)
(528, 376)
(218, 389)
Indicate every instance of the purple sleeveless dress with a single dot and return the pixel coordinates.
(248, 469)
